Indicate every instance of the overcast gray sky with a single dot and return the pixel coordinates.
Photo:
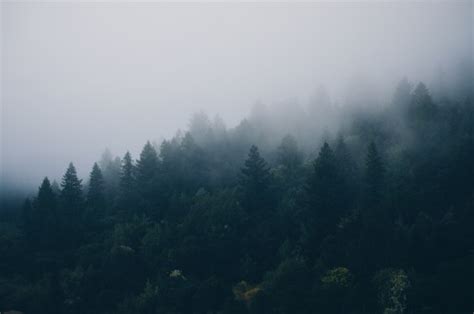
(79, 77)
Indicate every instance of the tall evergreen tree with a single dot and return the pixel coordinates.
(147, 179)
(127, 175)
(147, 165)
(348, 172)
(422, 105)
(325, 189)
(193, 164)
(255, 180)
(128, 188)
(46, 198)
(289, 154)
(110, 167)
(72, 204)
(44, 217)
(71, 189)
(402, 96)
(95, 194)
(374, 176)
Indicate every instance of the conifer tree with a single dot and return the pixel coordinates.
(95, 194)
(147, 165)
(325, 188)
(127, 175)
(374, 176)
(402, 96)
(255, 180)
(348, 173)
(128, 185)
(71, 197)
(289, 154)
(422, 105)
(147, 178)
(46, 198)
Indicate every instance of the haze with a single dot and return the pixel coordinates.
(80, 77)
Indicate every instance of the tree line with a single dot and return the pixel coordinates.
(377, 220)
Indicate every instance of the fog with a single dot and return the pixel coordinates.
(80, 77)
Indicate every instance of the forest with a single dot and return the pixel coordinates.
(324, 209)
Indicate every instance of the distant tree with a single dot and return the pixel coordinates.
(200, 128)
(374, 176)
(71, 189)
(96, 193)
(348, 172)
(56, 188)
(147, 178)
(147, 165)
(46, 198)
(41, 218)
(45, 214)
(344, 159)
(422, 105)
(325, 189)
(255, 180)
(127, 178)
(110, 167)
(402, 96)
(72, 205)
(289, 154)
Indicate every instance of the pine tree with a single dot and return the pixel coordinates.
(348, 172)
(95, 194)
(127, 175)
(193, 164)
(402, 97)
(325, 188)
(71, 211)
(422, 105)
(255, 180)
(46, 199)
(147, 165)
(110, 168)
(374, 177)
(147, 178)
(289, 154)
(128, 186)
(44, 217)
(71, 197)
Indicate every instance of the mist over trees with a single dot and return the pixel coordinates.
(323, 208)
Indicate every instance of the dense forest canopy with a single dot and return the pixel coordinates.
(325, 209)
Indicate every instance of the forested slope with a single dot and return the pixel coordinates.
(374, 215)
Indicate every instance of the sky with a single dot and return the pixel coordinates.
(77, 77)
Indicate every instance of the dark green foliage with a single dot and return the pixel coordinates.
(147, 166)
(374, 176)
(288, 153)
(255, 181)
(364, 228)
(128, 194)
(325, 191)
(96, 193)
(402, 97)
(71, 191)
(71, 208)
(422, 106)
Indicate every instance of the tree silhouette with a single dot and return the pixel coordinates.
(95, 194)
(325, 190)
(374, 176)
(254, 180)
